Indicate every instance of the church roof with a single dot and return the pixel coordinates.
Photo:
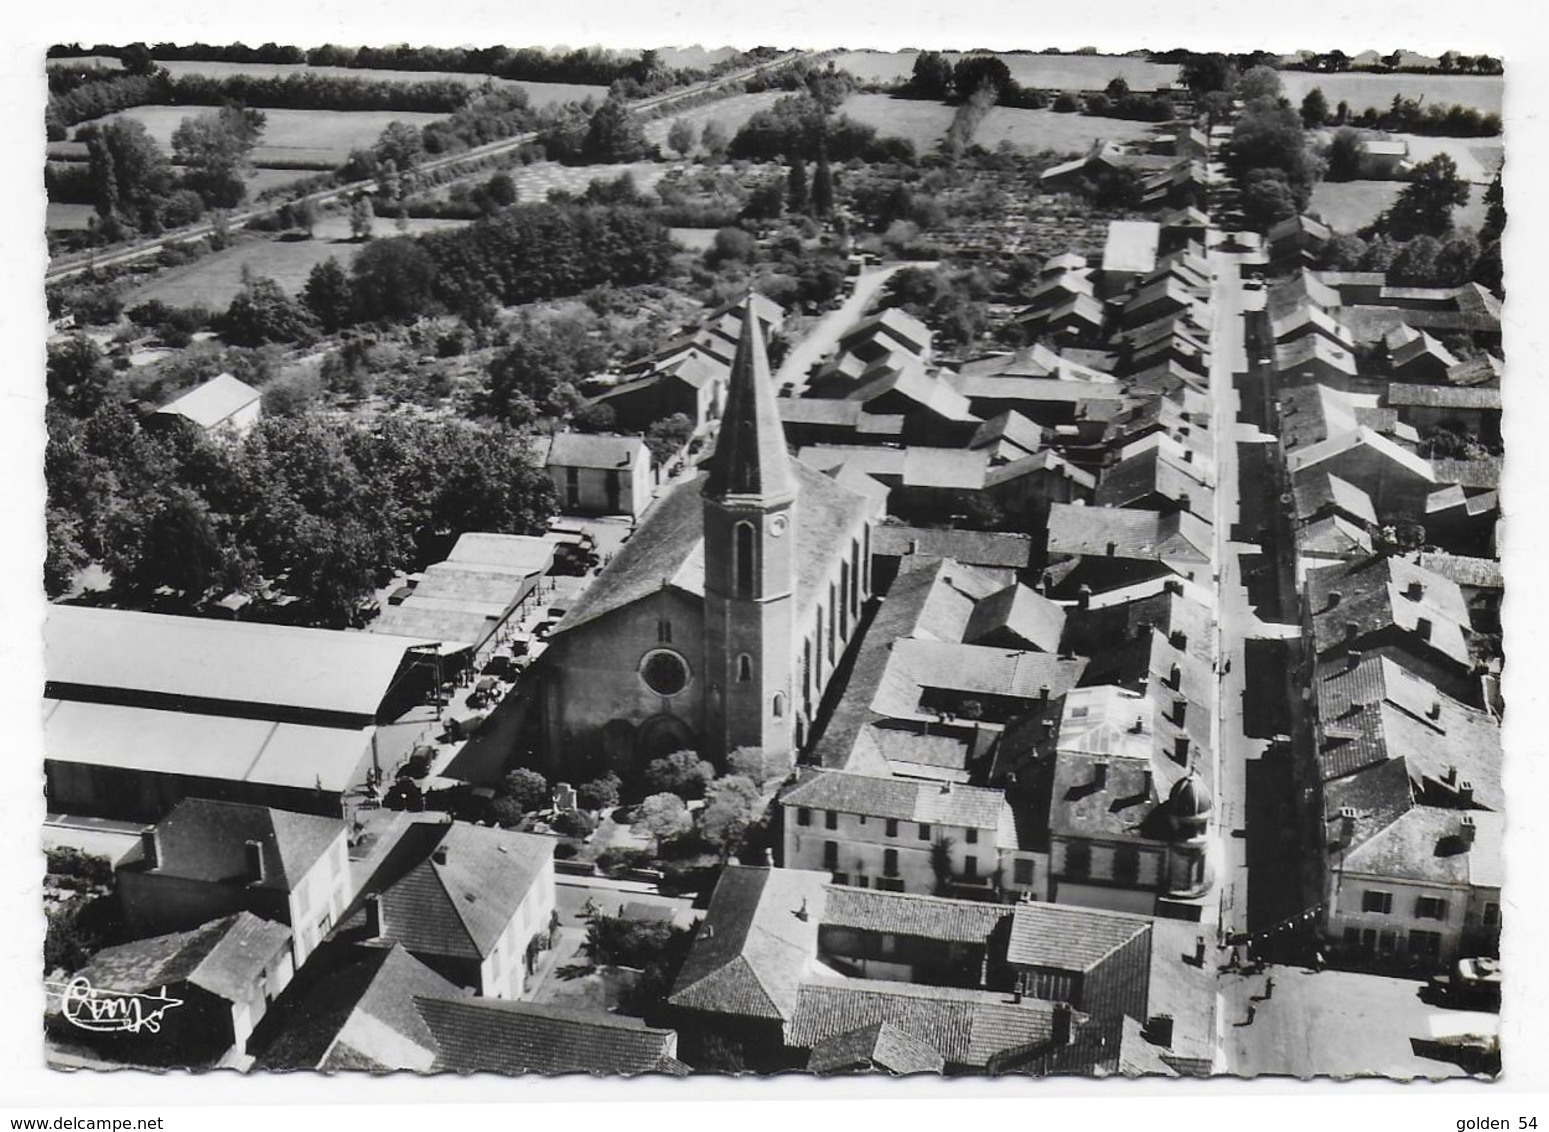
(750, 455)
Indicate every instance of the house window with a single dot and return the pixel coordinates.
(744, 668)
(572, 486)
(1430, 908)
(831, 819)
(890, 862)
(888, 943)
(803, 816)
(1126, 864)
(324, 924)
(972, 836)
(856, 580)
(1022, 872)
(1492, 915)
(892, 827)
(844, 599)
(1078, 859)
(743, 559)
(924, 832)
(830, 855)
(971, 867)
(1379, 902)
(1425, 945)
(832, 602)
(779, 705)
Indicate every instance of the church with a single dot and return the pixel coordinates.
(720, 622)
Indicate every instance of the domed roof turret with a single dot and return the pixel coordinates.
(1190, 798)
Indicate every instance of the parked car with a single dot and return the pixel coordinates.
(1474, 983)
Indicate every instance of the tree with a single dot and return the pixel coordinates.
(1117, 89)
(731, 809)
(600, 793)
(501, 189)
(941, 863)
(329, 295)
(823, 187)
(1425, 206)
(732, 245)
(1258, 82)
(103, 172)
(544, 358)
(1314, 108)
(1267, 199)
(714, 139)
(765, 202)
(506, 812)
(932, 77)
(613, 135)
(594, 417)
(122, 151)
(362, 217)
(680, 137)
(262, 312)
(663, 816)
(1346, 154)
(1343, 252)
(214, 150)
(1457, 259)
(1203, 74)
(304, 215)
(666, 438)
(402, 145)
(528, 789)
(394, 279)
(973, 72)
(796, 186)
(78, 375)
(1381, 251)
(1270, 136)
(757, 764)
(1416, 264)
(682, 773)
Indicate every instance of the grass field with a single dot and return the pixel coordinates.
(1477, 159)
(321, 136)
(1050, 72)
(1349, 206)
(1483, 92)
(732, 113)
(69, 217)
(215, 279)
(1039, 130)
(923, 123)
(693, 239)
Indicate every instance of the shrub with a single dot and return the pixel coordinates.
(575, 823)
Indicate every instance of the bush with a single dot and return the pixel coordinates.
(599, 793)
(528, 789)
(575, 823)
(68, 861)
(1066, 103)
(614, 861)
(684, 774)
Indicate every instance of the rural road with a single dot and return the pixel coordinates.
(825, 335)
(66, 267)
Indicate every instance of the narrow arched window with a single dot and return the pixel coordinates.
(743, 559)
(664, 632)
(779, 705)
(744, 668)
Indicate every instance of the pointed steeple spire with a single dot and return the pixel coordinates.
(750, 456)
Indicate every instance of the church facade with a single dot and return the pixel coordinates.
(721, 621)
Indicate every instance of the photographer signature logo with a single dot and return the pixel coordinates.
(112, 1012)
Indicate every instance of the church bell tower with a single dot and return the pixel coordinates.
(750, 551)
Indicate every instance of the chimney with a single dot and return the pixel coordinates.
(374, 921)
(1188, 455)
(1142, 630)
(438, 855)
(1199, 951)
(1180, 709)
(1423, 628)
(1352, 659)
(150, 848)
(1148, 782)
(1173, 586)
(1183, 501)
(1174, 677)
(914, 546)
(1181, 750)
(1112, 548)
(253, 852)
(1139, 726)
(1049, 727)
(801, 913)
(1060, 1034)
(1334, 598)
(1466, 796)
(1466, 830)
(1434, 711)
(1451, 777)
(1415, 590)
(1159, 1030)
(1352, 630)
(1346, 825)
(1100, 775)
(1178, 639)
(1043, 695)
(946, 786)
(1084, 597)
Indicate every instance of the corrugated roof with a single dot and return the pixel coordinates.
(213, 403)
(527, 554)
(203, 746)
(483, 1035)
(1064, 938)
(1131, 246)
(234, 661)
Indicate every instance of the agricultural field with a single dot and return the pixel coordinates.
(1482, 92)
(216, 279)
(1349, 206)
(69, 217)
(1049, 72)
(693, 239)
(1036, 131)
(320, 139)
(1477, 159)
(923, 123)
(732, 113)
(534, 182)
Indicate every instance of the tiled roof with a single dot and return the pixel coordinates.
(974, 807)
(975, 548)
(912, 382)
(1377, 797)
(206, 840)
(1333, 536)
(881, 1045)
(1312, 348)
(1403, 394)
(1483, 473)
(965, 1027)
(666, 548)
(1485, 369)
(227, 957)
(922, 917)
(1155, 471)
(1065, 938)
(1380, 592)
(754, 945)
(1418, 346)
(1145, 535)
(1362, 437)
(1009, 427)
(750, 457)
(1315, 492)
(1309, 319)
(1026, 616)
(916, 665)
(484, 1035)
(1425, 844)
(1046, 461)
(1484, 573)
(589, 450)
(1037, 389)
